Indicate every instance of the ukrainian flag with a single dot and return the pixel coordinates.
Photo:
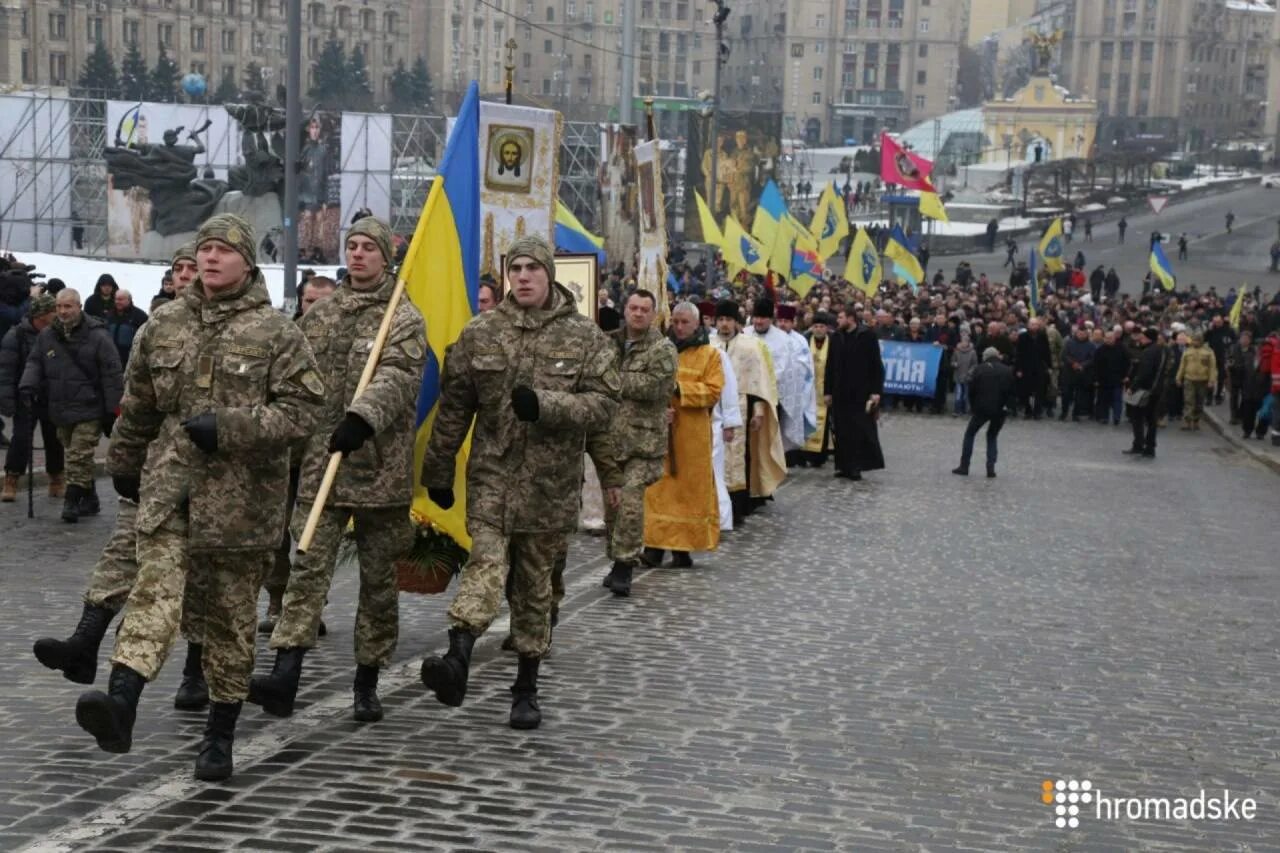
(863, 268)
(770, 214)
(441, 272)
(710, 231)
(1052, 246)
(1161, 268)
(830, 222)
(905, 263)
(741, 251)
(573, 236)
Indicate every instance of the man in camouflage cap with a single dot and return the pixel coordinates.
(375, 432)
(536, 376)
(218, 387)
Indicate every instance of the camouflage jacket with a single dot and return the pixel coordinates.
(523, 477)
(242, 360)
(341, 330)
(639, 430)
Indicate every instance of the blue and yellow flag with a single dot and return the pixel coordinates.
(711, 233)
(741, 251)
(863, 268)
(1052, 247)
(573, 236)
(1033, 284)
(905, 263)
(770, 213)
(441, 272)
(1161, 268)
(830, 222)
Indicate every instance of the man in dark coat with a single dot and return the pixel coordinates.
(123, 322)
(991, 390)
(1096, 279)
(853, 383)
(1031, 361)
(1150, 373)
(1111, 364)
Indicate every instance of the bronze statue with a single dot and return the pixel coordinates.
(1043, 46)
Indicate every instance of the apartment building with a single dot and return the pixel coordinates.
(44, 43)
(993, 17)
(1197, 66)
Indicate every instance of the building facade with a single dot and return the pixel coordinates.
(1200, 66)
(992, 17)
(44, 43)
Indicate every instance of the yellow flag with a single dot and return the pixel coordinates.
(830, 223)
(1237, 310)
(1052, 247)
(710, 231)
(741, 250)
(863, 268)
(931, 206)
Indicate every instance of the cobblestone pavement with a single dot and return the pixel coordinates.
(890, 665)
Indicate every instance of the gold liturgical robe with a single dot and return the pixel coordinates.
(814, 442)
(753, 368)
(681, 512)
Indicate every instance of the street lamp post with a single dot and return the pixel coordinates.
(722, 15)
(292, 144)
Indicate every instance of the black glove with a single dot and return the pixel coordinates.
(524, 400)
(350, 435)
(127, 486)
(203, 431)
(442, 498)
(108, 423)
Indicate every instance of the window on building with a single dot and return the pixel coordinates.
(852, 8)
(197, 6)
(1104, 81)
(682, 11)
(797, 50)
(820, 22)
(892, 66)
(664, 10)
(388, 53)
(817, 72)
(546, 86)
(817, 98)
(1148, 51)
(551, 13)
(95, 30)
(697, 67)
(527, 60)
(197, 38)
(315, 13)
(229, 73)
(922, 51)
(924, 25)
(368, 20)
(1126, 50)
(313, 46)
(872, 17)
(230, 8)
(57, 30)
(921, 77)
(820, 47)
(164, 33)
(228, 41)
(196, 68)
(895, 14)
(390, 21)
(646, 10)
(26, 66)
(919, 102)
(131, 32)
(546, 47)
(260, 9)
(57, 68)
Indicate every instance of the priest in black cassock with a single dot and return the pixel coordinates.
(853, 384)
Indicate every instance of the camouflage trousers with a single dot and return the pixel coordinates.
(117, 570)
(530, 557)
(625, 524)
(382, 536)
(228, 608)
(79, 441)
(278, 575)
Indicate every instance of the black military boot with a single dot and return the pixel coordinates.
(71, 503)
(89, 503)
(193, 692)
(276, 692)
(77, 656)
(524, 695)
(368, 708)
(447, 676)
(619, 579)
(109, 716)
(213, 764)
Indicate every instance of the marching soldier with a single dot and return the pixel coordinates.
(537, 377)
(374, 487)
(217, 388)
(117, 570)
(628, 454)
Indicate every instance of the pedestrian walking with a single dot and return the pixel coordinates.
(1011, 250)
(1231, 219)
(536, 377)
(1144, 392)
(16, 347)
(373, 488)
(991, 394)
(219, 386)
(74, 369)
(1182, 246)
(1088, 230)
(1121, 227)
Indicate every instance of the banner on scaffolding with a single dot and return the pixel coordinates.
(36, 187)
(748, 147)
(653, 222)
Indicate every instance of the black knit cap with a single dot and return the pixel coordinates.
(728, 308)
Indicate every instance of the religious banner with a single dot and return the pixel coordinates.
(748, 146)
(519, 177)
(910, 369)
(618, 190)
(653, 223)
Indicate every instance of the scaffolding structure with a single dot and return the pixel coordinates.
(73, 217)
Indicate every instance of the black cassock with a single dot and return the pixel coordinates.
(855, 371)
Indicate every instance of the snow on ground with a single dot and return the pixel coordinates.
(1201, 180)
(140, 279)
(955, 229)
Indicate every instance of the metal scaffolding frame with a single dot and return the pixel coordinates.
(417, 143)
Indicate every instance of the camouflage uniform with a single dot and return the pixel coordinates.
(223, 511)
(524, 480)
(374, 485)
(629, 454)
(79, 441)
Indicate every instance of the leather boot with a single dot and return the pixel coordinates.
(447, 676)
(619, 579)
(77, 656)
(524, 695)
(109, 716)
(10, 492)
(214, 764)
(193, 693)
(71, 503)
(276, 692)
(57, 485)
(368, 708)
(89, 504)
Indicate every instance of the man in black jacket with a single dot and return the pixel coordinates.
(1111, 364)
(14, 350)
(1032, 358)
(1150, 374)
(991, 391)
(76, 371)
